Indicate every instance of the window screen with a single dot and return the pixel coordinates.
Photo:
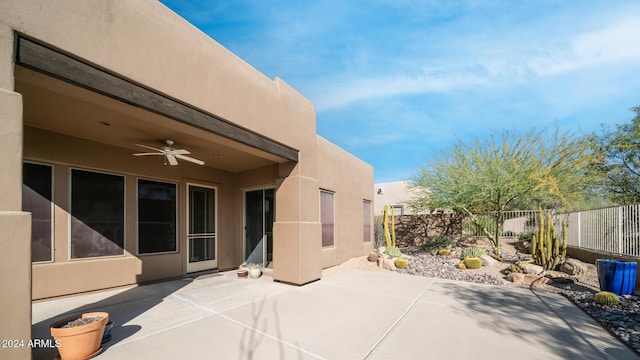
(97, 214)
(37, 197)
(156, 217)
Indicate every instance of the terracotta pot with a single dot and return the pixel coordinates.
(80, 342)
(242, 273)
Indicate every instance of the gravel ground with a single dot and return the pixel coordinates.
(623, 320)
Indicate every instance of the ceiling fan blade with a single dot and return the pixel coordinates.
(149, 147)
(187, 158)
(180, 152)
(172, 160)
(144, 154)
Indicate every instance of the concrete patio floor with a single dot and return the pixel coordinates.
(347, 315)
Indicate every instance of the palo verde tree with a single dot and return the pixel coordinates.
(490, 175)
(621, 165)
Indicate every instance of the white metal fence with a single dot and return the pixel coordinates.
(514, 223)
(614, 229)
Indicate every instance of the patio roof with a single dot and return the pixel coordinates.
(65, 95)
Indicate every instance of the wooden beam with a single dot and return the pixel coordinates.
(54, 63)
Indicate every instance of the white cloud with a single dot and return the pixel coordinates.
(508, 62)
(340, 95)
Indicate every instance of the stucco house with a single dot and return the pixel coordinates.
(86, 85)
(394, 194)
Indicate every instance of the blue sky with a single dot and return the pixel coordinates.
(396, 82)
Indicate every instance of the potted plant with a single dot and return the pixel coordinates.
(107, 332)
(254, 270)
(242, 273)
(618, 277)
(80, 336)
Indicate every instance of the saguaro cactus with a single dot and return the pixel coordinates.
(393, 227)
(385, 225)
(546, 249)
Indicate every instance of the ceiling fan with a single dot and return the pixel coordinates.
(170, 154)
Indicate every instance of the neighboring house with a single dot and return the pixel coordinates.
(83, 82)
(394, 194)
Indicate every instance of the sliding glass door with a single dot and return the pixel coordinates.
(258, 227)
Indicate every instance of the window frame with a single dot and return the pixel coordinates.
(367, 230)
(52, 210)
(70, 214)
(177, 224)
(396, 208)
(333, 220)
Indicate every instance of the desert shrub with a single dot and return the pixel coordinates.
(472, 251)
(393, 251)
(513, 268)
(525, 236)
(433, 243)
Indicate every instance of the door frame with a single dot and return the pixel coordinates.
(209, 264)
(244, 221)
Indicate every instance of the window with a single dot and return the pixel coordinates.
(398, 210)
(156, 217)
(37, 198)
(326, 218)
(97, 214)
(366, 220)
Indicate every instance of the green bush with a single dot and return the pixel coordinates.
(393, 251)
(472, 251)
(525, 236)
(433, 243)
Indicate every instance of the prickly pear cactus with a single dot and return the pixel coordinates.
(472, 262)
(607, 298)
(401, 263)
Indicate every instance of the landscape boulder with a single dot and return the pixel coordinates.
(532, 269)
(488, 260)
(573, 267)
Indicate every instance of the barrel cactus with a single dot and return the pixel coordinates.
(472, 251)
(443, 252)
(472, 262)
(461, 266)
(607, 298)
(401, 263)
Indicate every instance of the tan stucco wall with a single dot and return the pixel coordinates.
(147, 43)
(337, 171)
(15, 226)
(15, 272)
(51, 279)
(393, 193)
